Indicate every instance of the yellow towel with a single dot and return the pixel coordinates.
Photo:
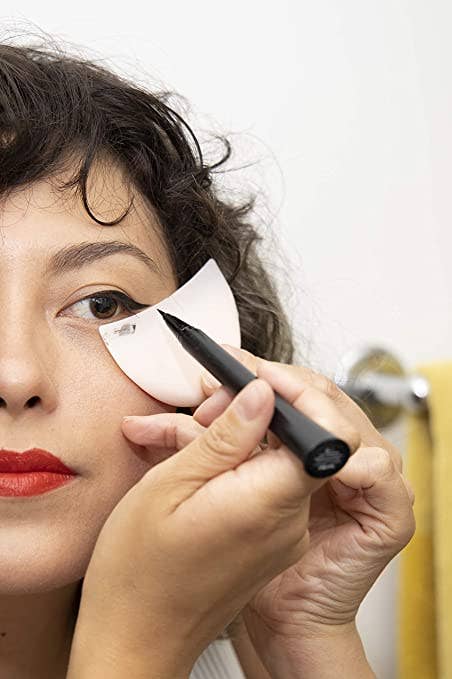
(425, 594)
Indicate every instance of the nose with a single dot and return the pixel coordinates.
(25, 371)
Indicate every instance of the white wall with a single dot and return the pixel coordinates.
(348, 107)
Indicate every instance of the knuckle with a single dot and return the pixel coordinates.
(331, 389)
(380, 462)
(170, 435)
(220, 438)
(312, 377)
(324, 384)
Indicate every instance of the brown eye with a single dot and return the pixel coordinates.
(103, 307)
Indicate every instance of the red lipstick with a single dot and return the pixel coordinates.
(32, 472)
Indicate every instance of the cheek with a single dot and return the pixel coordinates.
(51, 544)
(95, 395)
(96, 384)
(99, 395)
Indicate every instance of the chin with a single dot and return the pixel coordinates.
(25, 573)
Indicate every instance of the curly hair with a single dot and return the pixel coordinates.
(54, 105)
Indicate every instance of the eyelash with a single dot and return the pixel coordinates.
(124, 300)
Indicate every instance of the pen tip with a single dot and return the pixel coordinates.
(173, 322)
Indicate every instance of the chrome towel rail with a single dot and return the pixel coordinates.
(378, 382)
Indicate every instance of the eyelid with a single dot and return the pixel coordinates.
(125, 299)
(128, 302)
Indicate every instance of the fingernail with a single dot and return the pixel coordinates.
(134, 419)
(250, 400)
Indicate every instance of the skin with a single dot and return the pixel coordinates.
(46, 541)
(222, 527)
(359, 520)
(45, 356)
(301, 622)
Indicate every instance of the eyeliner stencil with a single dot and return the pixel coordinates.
(146, 350)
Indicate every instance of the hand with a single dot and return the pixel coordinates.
(359, 519)
(203, 531)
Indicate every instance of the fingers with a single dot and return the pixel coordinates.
(371, 482)
(301, 393)
(311, 393)
(213, 406)
(304, 396)
(205, 453)
(230, 439)
(316, 405)
(172, 431)
(288, 380)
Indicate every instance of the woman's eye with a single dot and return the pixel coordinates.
(104, 305)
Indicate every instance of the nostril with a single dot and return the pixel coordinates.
(29, 404)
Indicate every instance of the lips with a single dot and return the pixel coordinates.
(33, 460)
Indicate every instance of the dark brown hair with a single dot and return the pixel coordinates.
(54, 105)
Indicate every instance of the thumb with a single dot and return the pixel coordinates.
(229, 440)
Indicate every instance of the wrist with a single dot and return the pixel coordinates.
(327, 652)
(102, 648)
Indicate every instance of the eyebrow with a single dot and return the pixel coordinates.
(81, 254)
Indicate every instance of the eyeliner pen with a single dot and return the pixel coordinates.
(321, 453)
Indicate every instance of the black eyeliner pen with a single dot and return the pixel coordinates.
(322, 453)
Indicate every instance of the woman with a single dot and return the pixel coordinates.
(175, 526)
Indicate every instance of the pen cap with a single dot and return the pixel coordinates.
(322, 454)
(320, 451)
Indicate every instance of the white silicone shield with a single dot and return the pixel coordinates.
(150, 355)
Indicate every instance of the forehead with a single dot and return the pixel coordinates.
(42, 218)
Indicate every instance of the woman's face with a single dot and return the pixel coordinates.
(50, 349)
